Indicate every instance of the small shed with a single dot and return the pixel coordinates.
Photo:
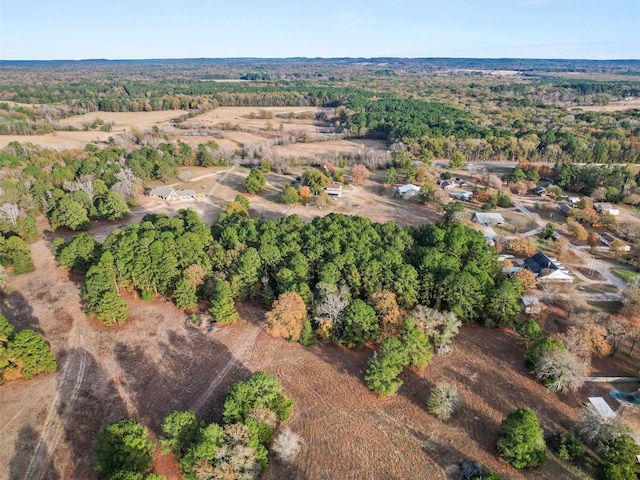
(490, 235)
(531, 305)
(602, 407)
(466, 196)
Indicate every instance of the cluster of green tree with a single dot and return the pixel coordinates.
(407, 120)
(123, 451)
(617, 180)
(238, 447)
(24, 354)
(445, 266)
(76, 186)
(412, 349)
(14, 252)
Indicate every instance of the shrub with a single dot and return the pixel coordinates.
(287, 446)
(620, 460)
(521, 440)
(255, 181)
(444, 400)
(566, 446)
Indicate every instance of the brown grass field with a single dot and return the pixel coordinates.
(613, 106)
(155, 364)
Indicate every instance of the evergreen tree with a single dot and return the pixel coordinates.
(123, 446)
(33, 353)
(521, 440)
(255, 182)
(360, 324)
(385, 366)
(185, 295)
(222, 307)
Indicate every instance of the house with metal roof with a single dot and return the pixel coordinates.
(408, 190)
(488, 219)
(547, 269)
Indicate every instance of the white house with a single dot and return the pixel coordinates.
(184, 195)
(334, 190)
(166, 193)
(606, 207)
(408, 190)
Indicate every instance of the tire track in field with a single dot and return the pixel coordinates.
(242, 351)
(72, 377)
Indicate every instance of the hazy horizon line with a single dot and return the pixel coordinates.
(317, 58)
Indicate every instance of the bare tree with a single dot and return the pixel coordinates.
(126, 184)
(331, 305)
(561, 370)
(10, 212)
(618, 329)
(287, 445)
(596, 430)
(83, 183)
(428, 320)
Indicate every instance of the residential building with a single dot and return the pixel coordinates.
(334, 190)
(547, 269)
(606, 208)
(488, 219)
(408, 190)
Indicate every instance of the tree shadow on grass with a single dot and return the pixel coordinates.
(191, 372)
(17, 309)
(25, 445)
(90, 402)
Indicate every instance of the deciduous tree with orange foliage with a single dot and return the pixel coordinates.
(359, 174)
(287, 316)
(387, 310)
(527, 279)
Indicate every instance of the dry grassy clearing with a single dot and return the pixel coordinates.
(613, 106)
(155, 364)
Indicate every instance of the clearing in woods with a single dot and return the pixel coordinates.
(155, 364)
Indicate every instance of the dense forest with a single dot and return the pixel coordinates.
(445, 266)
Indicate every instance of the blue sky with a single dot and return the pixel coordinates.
(130, 29)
